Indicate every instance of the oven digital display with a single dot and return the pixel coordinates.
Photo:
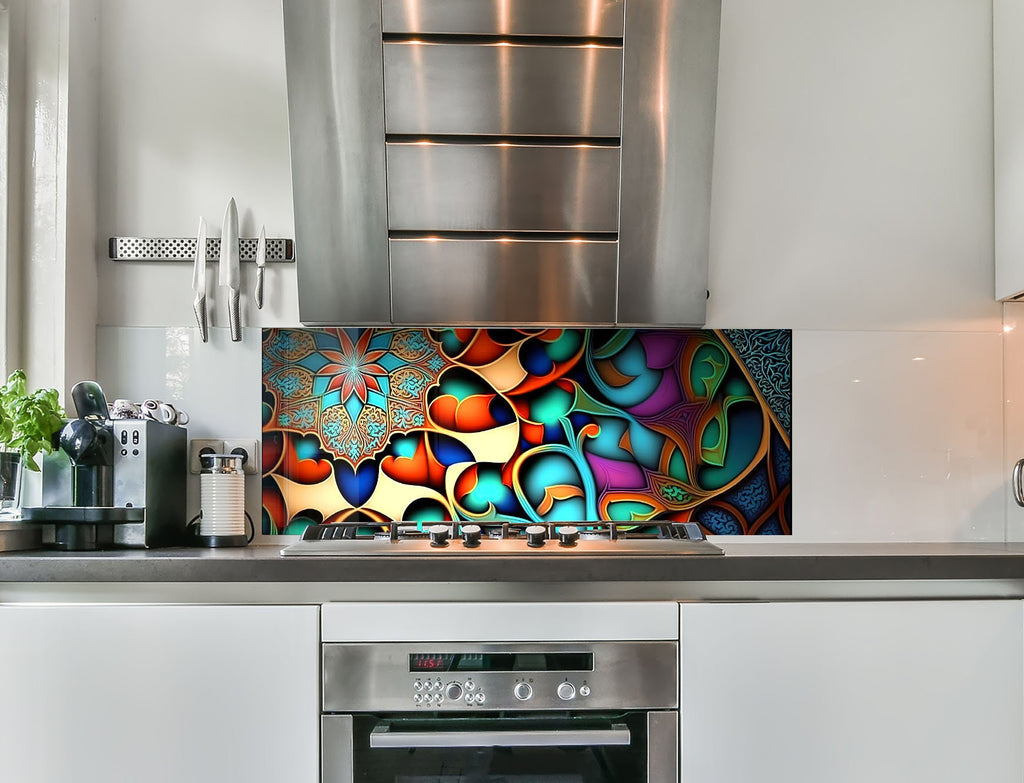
(502, 662)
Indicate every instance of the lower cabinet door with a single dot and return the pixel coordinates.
(161, 694)
(852, 692)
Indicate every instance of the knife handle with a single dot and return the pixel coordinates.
(199, 306)
(234, 317)
(258, 293)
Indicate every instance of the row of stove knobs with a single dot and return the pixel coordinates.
(536, 535)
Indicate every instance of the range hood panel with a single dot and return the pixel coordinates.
(438, 88)
(580, 132)
(592, 18)
(502, 282)
(502, 188)
(336, 125)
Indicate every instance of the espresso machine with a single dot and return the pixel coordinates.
(117, 482)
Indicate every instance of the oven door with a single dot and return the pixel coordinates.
(631, 747)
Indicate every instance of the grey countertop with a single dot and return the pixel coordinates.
(744, 561)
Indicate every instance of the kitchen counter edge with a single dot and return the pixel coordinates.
(744, 561)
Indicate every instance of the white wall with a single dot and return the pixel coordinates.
(852, 203)
(193, 112)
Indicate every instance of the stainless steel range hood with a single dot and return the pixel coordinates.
(502, 161)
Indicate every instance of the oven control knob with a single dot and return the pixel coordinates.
(453, 692)
(522, 691)
(536, 535)
(568, 535)
(438, 535)
(471, 535)
(566, 691)
(584, 690)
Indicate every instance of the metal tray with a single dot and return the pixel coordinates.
(87, 515)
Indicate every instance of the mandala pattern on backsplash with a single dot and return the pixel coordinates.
(539, 425)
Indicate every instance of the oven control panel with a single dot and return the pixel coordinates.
(441, 676)
(537, 692)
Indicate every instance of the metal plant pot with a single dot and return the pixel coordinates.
(11, 469)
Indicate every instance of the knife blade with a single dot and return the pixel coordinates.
(261, 262)
(229, 274)
(199, 281)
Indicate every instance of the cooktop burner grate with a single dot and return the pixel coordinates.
(502, 538)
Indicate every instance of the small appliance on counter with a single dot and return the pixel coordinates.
(222, 496)
(114, 482)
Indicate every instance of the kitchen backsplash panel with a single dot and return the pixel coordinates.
(528, 425)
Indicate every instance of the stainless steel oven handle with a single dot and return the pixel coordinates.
(383, 737)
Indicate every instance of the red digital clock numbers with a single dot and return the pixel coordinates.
(430, 662)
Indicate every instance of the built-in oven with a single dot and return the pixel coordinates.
(500, 712)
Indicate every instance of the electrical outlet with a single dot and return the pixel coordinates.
(250, 451)
(198, 446)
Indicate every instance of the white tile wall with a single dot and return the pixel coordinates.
(216, 383)
(1013, 396)
(897, 436)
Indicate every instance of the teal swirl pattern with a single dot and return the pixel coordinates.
(543, 425)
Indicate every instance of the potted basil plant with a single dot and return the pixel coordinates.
(28, 423)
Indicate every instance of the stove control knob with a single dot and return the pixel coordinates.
(584, 690)
(566, 691)
(453, 692)
(471, 535)
(438, 535)
(568, 535)
(522, 691)
(536, 535)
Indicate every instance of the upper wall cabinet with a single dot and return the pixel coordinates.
(502, 161)
(1008, 105)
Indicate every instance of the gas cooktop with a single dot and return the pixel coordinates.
(454, 539)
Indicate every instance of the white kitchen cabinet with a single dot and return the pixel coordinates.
(161, 694)
(848, 692)
(1008, 131)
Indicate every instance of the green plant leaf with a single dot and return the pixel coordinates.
(28, 421)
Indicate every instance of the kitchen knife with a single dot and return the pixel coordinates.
(199, 281)
(229, 275)
(261, 261)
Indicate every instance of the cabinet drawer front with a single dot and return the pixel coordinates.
(501, 17)
(495, 187)
(502, 89)
(502, 281)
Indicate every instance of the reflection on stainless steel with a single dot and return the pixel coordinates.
(508, 117)
(336, 123)
(1018, 482)
(336, 749)
(594, 18)
(626, 675)
(662, 744)
(502, 187)
(456, 281)
(446, 88)
(616, 734)
(668, 129)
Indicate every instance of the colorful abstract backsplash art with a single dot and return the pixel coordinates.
(536, 425)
